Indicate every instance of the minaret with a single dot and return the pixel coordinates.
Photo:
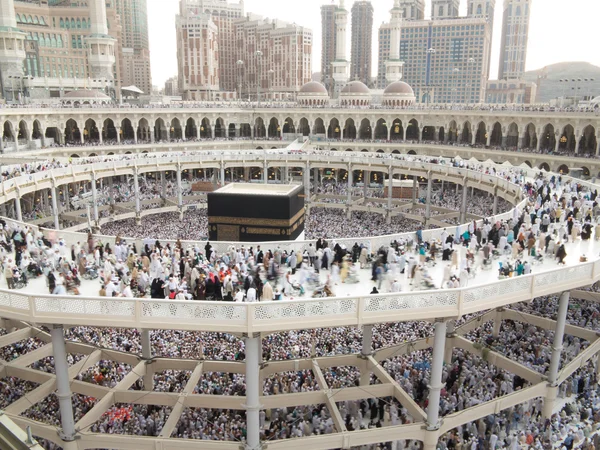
(101, 46)
(12, 54)
(341, 66)
(393, 66)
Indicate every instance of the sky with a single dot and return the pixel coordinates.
(559, 30)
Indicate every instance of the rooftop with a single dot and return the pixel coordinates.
(258, 189)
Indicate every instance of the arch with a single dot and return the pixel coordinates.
(412, 130)
(496, 138)
(160, 129)
(397, 131)
(452, 131)
(304, 127)
(23, 132)
(274, 128)
(143, 130)
(191, 132)
(109, 132)
(245, 130)
(220, 128)
(205, 128)
(481, 134)
(319, 127)
(530, 138)
(563, 169)
(412, 152)
(381, 130)
(231, 132)
(544, 166)
(348, 149)
(567, 139)
(588, 141)
(72, 131)
(364, 131)
(512, 136)
(585, 171)
(380, 151)
(288, 126)
(364, 150)
(466, 136)
(428, 133)
(36, 133)
(91, 155)
(260, 130)
(90, 131)
(335, 130)
(74, 155)
(8, 133)
(548, 138)
(528, 163)
(349, 129)
(395, 152)
(441, 134)
(175, 130)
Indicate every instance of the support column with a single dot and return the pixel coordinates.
(100, 136)
(488, 141)
(559, 334)
(55, 211)
(306, 176)
(119, 135)
(135, 136)
(463, 206)
(163, 184)
(435, 381)
(367, 350)
(495, 207)
(147, 356)
(265, 173)
(428, 201)
(497, 323)
(18, 207)
(136, 187)
(557, 140)
(179, 193)
(63, 383)
(449, 346)
(253, 348)
(366, 180)
(415, 192)
(222, 174)
(390, 194)
(315, 177)
(598, 147)
(95, 200)
(349, 200)
(286, 174)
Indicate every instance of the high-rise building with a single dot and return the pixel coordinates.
(223, 14)
(197, 54)
(14, 51)
(70, 45)
(444, 9)
(445, 61)
(412, 9)
(171, 87)
(328, 44)
(136, 63)
(515, 33)
(362, 41)
(284, 63)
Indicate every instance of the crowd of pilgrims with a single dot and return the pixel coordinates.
(558, 212)
(468, 380)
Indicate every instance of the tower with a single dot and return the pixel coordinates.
(515, 33)
(13, 52)
(393, 66)
(361, 41)
(444, 9)
(412, 9)
(340, 65)
(101, 46)
(328, 47)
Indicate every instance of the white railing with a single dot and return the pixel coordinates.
(268, 317)
(287, 315)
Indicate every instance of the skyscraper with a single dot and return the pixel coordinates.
(328, 44)
(340, 65)
(515, 33)
(445, 60)
(362, 41)
(443, 9)
(136, 47)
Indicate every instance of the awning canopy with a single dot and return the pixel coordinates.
(133, 89)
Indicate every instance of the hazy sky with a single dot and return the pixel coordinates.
(560, 30)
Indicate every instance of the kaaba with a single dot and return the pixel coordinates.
(247, 212)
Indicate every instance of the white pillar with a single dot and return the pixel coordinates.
(63, 388)
(428, 200)
(18, 208)
(307, 183)
(55, 207)
(95, 199)
(136, 187)
(367, 340)
(495, 207)
(559, 334)
(366, 180)
(463, 206)
(147, 356)
(179, 190)
(253, 349)
(449, 347)
(265, 173)
(390, 194)
(163, 183)
(435, 381)
(222, 174)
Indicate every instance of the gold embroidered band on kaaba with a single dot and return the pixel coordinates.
(257, 222)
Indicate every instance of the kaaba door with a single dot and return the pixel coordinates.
(228, 233)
